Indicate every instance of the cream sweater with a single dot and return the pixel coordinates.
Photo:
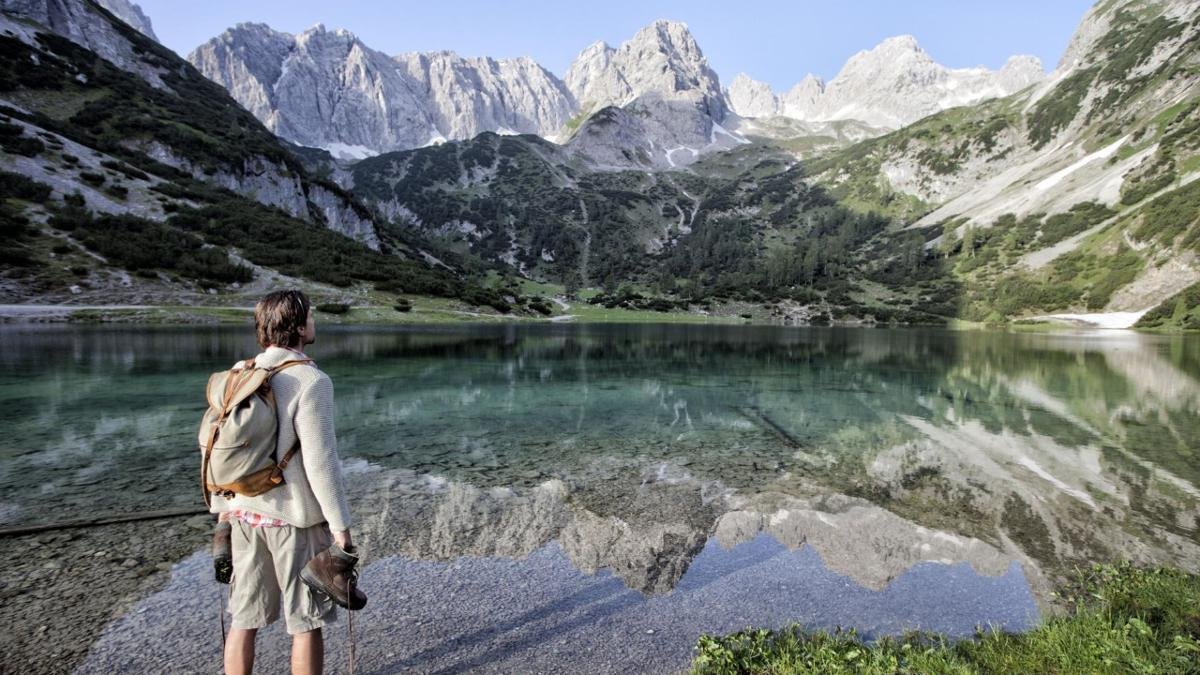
(313, 490)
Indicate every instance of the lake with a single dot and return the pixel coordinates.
(594, 497)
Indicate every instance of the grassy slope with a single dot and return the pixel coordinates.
(1120, 620)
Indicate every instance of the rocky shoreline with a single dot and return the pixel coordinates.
(59, 589)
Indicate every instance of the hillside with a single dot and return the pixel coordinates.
(1075, 195)
(1072, 196)
(125, 176)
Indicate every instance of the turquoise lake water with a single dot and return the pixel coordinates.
(645, 454)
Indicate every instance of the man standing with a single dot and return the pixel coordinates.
(275, 535)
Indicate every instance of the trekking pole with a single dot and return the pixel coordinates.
(350, 627)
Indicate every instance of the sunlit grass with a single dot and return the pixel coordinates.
(1119, 620)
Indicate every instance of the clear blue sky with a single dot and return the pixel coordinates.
(777, 42)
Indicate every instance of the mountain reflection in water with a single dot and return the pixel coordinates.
(540, 613)
(634, 449)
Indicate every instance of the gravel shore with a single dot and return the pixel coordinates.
(60, 589)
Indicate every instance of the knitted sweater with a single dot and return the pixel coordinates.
(313, 490)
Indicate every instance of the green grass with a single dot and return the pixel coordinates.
(1119, 620)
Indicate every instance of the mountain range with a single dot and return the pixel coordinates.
(327, 89)
(900, 191)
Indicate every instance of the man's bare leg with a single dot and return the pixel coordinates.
(239, 651)
(308, 653)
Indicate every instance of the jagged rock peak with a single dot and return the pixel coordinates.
(131, 14)
(750, 98)
(326, 88)
(663, 58)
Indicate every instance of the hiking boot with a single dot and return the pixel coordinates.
(222, 552)
(332, 572)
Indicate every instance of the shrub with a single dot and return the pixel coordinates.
(92, 178)
(540, 306)
(402, 305)
(333, 308)
(15, 185)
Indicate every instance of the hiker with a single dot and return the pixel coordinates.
(290, 543)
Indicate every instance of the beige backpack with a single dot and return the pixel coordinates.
(239, 433)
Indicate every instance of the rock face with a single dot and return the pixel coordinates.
(890, 86)
(660, 104)
(751, 98)
(81, 24)
(131, 14)
(662, 58)
(467, 96)
(320, 88)
(802, 97)
(327, 89)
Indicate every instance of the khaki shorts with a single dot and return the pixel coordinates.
(266, 570)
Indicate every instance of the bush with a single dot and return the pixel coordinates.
(333, 308)
(142, 246)
(124, 168)
(29, 147)
(15, 185)
(92, 178)
(402, 305)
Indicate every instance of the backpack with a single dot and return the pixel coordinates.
(239, 433)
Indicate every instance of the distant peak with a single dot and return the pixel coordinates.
(596, 50)
(665, 31)
(905, 41)
(1023, 61)
(668, 24)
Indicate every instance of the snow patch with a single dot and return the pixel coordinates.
(718, 129)
(347, 151)
(1056, 177)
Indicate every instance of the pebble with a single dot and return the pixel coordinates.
(130, 562)
(163, 567)
(199, 523)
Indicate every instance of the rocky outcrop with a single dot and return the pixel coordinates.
(751, 98)
(652, 131)
(80, 23)
(131, 14)
(802, 97)
(342, 215)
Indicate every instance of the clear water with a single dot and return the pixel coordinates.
(634, 450)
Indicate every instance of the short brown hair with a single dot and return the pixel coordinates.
(279, 316)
